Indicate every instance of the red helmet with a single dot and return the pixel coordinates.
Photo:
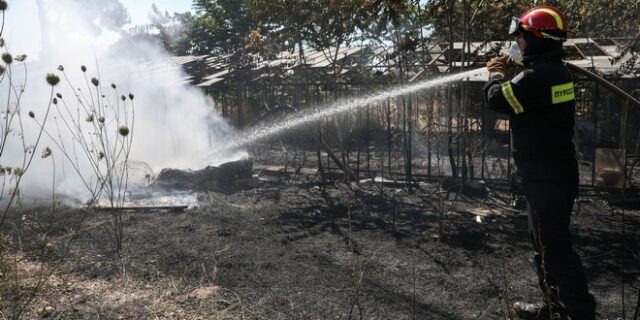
(543, 22)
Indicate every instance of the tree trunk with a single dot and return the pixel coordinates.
(452, 159)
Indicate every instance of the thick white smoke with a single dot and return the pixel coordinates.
(176, 126)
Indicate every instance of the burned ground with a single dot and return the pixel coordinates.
(298, 251)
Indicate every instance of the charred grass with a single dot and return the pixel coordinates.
(301, 251)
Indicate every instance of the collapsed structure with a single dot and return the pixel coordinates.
(441, 133)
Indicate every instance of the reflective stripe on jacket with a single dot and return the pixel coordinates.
(540, 102)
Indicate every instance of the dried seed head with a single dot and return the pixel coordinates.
(21, 57)
(55, 100)
(18, 171)
(52, 79)
(131, 96)
(123, 130)
(3, 5)
(59, 95)
(60, 68)
(113, 85)
(89, 118)
(123, 97)
(31, 114)
(83, 68)
(100, 155)
(2, 70)
(95, 81)
(7, 58)
(46, 152)
(101, 119)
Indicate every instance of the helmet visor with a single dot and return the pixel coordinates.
(514, 27)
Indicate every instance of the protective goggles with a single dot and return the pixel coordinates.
(515, 26)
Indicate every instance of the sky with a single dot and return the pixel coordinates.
(139, 9)
(22, 28)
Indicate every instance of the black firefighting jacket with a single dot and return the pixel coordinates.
(540, 102)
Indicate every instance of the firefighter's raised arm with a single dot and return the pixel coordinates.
(498, 68)
(526, 92)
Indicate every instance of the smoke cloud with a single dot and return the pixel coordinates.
(176, 126)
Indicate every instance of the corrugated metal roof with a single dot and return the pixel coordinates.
(217, 75)
(209, 70)
(209, 82)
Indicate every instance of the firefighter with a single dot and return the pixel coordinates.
(540, 102)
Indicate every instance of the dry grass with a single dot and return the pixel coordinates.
(67, 295)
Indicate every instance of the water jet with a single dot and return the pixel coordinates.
(272, 128)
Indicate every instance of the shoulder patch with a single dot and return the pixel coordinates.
(562, 93)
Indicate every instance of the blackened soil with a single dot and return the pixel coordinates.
(298, 251)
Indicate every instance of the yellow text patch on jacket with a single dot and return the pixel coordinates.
(562, 93)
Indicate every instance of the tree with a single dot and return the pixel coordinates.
(171, 31)
(271, 26)
(284, 24)
(490, 19)
(220, 26)
(322, 24)
(601, 18)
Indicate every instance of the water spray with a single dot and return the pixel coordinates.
(268, 130)
(296, 120)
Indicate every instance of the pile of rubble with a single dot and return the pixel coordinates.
(227, 178)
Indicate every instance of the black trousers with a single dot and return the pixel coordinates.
(560, 272)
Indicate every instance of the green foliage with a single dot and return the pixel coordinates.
(173, 30)
(220, 26)
(170, 31)
(271, 26)
(268, 27)
(602, 18)
(489, 20)
(320, 24)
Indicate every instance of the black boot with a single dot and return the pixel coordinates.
(538, 311)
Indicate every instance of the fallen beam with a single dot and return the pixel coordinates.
(606, 83)
(280, 170)
(144, 208)
(337, 161)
